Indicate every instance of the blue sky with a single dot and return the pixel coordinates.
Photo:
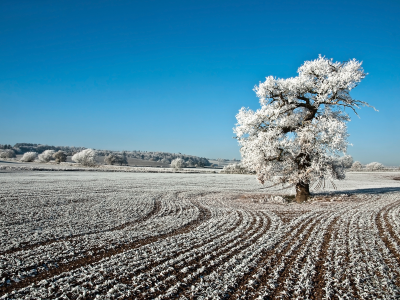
(171, 75)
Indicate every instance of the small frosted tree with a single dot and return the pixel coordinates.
(234, 169)
(300, 130)
(60, 156)
(357, 165)
(374, 166)
(114, 159)
(7, 153)
(110, 159)
(346, 161)
(178, 163)
(29, 156)
(86, 157)
(46, 155)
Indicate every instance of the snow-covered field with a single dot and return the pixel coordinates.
(195, 236)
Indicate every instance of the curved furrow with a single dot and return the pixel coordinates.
(221, 257)
(386, 230)
(227, 277)
(303, 275)
(248, 288)
(161, 273)
(156, 209)
(31, 262)
(338, 276)
(364, 276)
(391, 229)
(278, 270)
(200, 243)
(32, 219)
(317, 277)
(383, 280)
(139, 259)
(395, 219)
(391, 264)
(371, 270)
(263, 255)
(357, 264)
(204, 215)
(342, 264)
(189, 261)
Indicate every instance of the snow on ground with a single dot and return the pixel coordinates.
(198, 236)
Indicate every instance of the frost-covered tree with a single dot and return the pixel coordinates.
(7, 153)
(60, 156)
(300, 130)
(29, 156)
(110, 159)
(374, 166)
(86, 157)
(114, 159)
(178, 163)
(346, 161)
(235, 169)
(357, 165)
(46, 156)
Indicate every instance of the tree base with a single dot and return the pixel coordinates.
(302, 192)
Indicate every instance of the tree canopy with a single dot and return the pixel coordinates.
(300, 130)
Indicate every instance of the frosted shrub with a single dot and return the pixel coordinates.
(235, 169)
(356, 165)
(374, 166)
(46, 156)
(29, 156)
(60, 156)
(178, 163)
(110, 159)
(346, 161)
(114, 159)
(7, 153)
(86, 157)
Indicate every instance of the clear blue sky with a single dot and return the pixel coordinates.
(171, 75)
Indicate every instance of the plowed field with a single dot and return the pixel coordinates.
(195, 236)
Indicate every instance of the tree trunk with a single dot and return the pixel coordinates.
(302, 192)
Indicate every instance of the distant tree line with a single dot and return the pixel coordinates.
(114, 156)
(162, 157)
(21, 148)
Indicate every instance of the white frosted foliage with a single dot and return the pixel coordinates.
(85, 157)
(357, 165)
(299, 132)
(29, 156)
(46, 156)
(178, 163)
(375, 166)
